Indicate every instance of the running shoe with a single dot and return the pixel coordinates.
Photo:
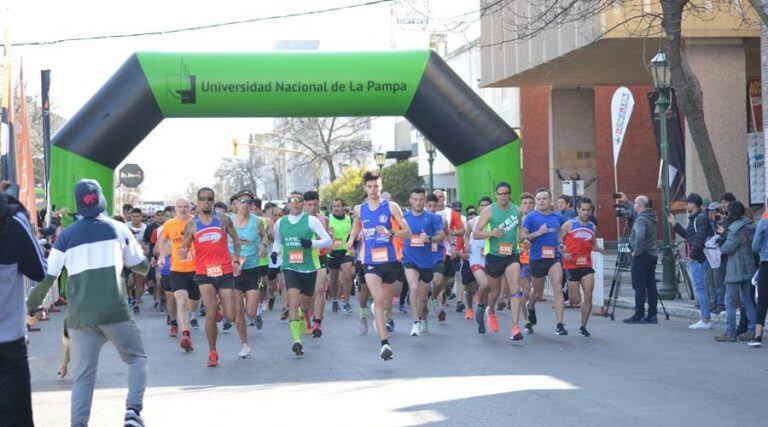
(480, 319)
(284, 315)
(132, 418)
(425, 326)
(136, 309)
(202, 311)
(531, 314)
(316, 331)
(501, 305)
(271, 303)
(213, 359)
(584, 332)
(193, 324)
(347, 308)
(470, 314)
(441, 316)
(245, 352)
(415, 329)
(186, 343)
(402, 308)
(174, 331)
(756, 342)
(251, 323)
(528, 328)
(386, 352)
(259, 322)
(168, 320)
(298, 348)
(460, 307)
(493, 323)
(560, 330)
(363, 325)
(226, 327)
(335, 306)
(390, 325)
(156, 306)
(516, 335)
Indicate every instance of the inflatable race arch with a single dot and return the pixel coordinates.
(417, 85)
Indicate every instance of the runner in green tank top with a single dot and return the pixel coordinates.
(502, 258)
(298, 234)
(340, 263)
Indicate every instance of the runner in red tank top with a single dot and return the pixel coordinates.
(214, 267)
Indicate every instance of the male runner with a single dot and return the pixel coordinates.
(135, 282)
(399, 244)
(454, 243)
(312, 207)
(418, 260)
(381, 269)
(527, 203)
(541, 227)
(264, 293)
(475, 260)
(578, 240)
(295, 235)
(275, 279)
(438, 247)
(214, 266)
(182, 277)
(253, 241)
(164, 280)
(502, 257)
(340, 262)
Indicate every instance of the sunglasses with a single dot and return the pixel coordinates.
(205, 199)
(246, 201)
(295, 199)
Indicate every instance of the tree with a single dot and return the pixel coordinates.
(544, 15)
(349, 187)
(398, 180)
(326, 141)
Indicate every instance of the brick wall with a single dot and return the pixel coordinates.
(534, 127)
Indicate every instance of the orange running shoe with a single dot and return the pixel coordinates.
(493, 323)
(470, 314)
(186, 343)
(174, 330)
(516, 335)
(213, 359)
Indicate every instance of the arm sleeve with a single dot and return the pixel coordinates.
(325, 240)
(757, 242)
(28, 256)
(276, 236)
(680, 230)
(731, 244)
(702, 232)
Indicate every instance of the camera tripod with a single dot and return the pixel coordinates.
(623, 264)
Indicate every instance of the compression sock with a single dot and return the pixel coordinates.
(295, 329)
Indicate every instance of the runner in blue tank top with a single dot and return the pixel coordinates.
(373, 218)
(418, 258)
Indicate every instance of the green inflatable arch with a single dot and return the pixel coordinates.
(418, 85)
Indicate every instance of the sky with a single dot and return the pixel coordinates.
(183, 151)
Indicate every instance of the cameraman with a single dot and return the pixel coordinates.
(696, 234)
(645, 249)
(717, 217)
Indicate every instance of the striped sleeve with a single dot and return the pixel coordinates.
(29, 254)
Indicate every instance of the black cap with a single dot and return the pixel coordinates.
(695, 199)
(242, 193)
(89, 198)
(456, 205)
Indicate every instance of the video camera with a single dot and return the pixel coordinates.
(622, 211)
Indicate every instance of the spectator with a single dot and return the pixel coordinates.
(93, 250)
(564, 207)
(760, 245)
(645, 251)
(716, 216)
(696, 234)
(737, 245)
(20, 255)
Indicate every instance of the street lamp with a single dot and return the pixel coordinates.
(430, 149)
(660, 73)
(344, 167)
(379, 158)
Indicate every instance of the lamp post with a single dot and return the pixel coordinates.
(659, 68)
(344, 167)
(379, 158)
(430, 149)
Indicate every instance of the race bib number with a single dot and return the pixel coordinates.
(582, 260)
(547, 252)
(213, 271)
(296, 257)
(434, 247)
(379, 255)
(416, 242)
(505, 248)
(337, 243)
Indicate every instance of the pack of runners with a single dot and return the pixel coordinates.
(231, 263)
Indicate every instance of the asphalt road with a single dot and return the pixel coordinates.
(628, 375)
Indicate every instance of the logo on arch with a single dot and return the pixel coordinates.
(181, 87)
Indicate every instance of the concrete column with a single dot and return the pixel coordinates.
(572, 137)
(720, 66)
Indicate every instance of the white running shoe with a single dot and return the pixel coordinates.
(245, 352)
(701, 326)
(415, 329)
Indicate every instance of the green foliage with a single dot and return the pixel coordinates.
(349, 187)
(397, 180)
